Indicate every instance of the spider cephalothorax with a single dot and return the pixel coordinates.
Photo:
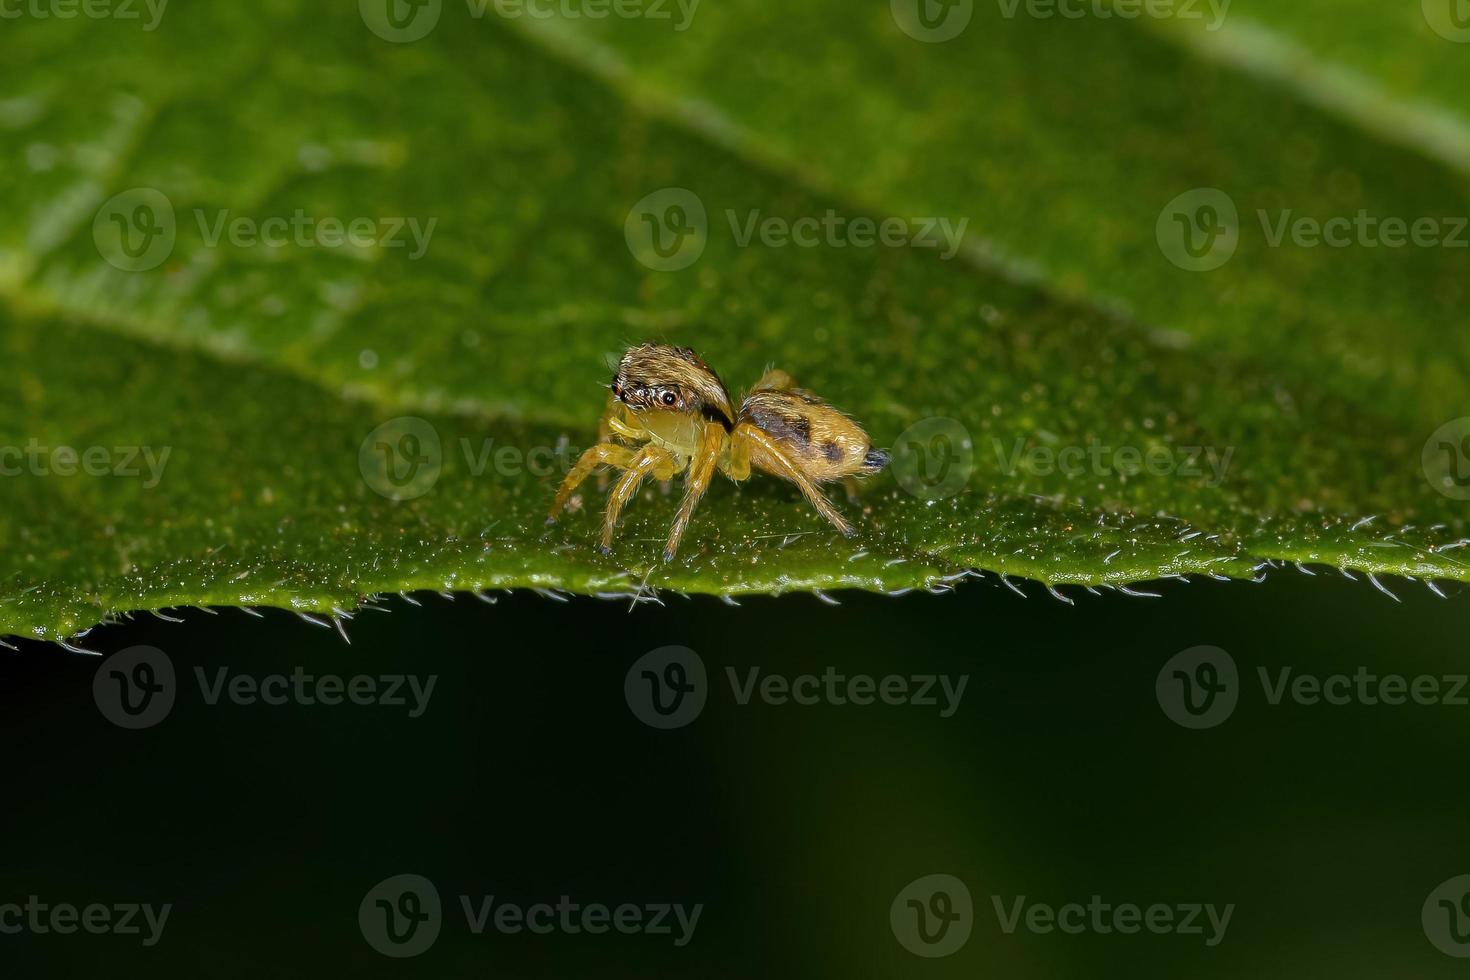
(668, 412)
(656, 377)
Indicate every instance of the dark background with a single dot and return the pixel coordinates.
(528, 778)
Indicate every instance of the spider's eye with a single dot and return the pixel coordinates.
(669, 398)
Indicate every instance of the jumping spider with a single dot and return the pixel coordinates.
(668, 412)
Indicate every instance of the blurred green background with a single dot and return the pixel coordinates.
(528, 777)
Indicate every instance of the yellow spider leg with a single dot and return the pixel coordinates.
(603, 452)
(648, 461)
(706, 458)
(774, 459)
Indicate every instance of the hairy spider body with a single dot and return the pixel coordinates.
(669, 413)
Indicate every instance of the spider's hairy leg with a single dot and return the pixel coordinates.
(651, 459)
(604, 452)
(767, 454)
(706, 457)
(612, 429)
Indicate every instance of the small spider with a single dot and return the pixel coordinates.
(668, 412)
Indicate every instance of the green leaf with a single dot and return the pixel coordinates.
(1287, 401)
